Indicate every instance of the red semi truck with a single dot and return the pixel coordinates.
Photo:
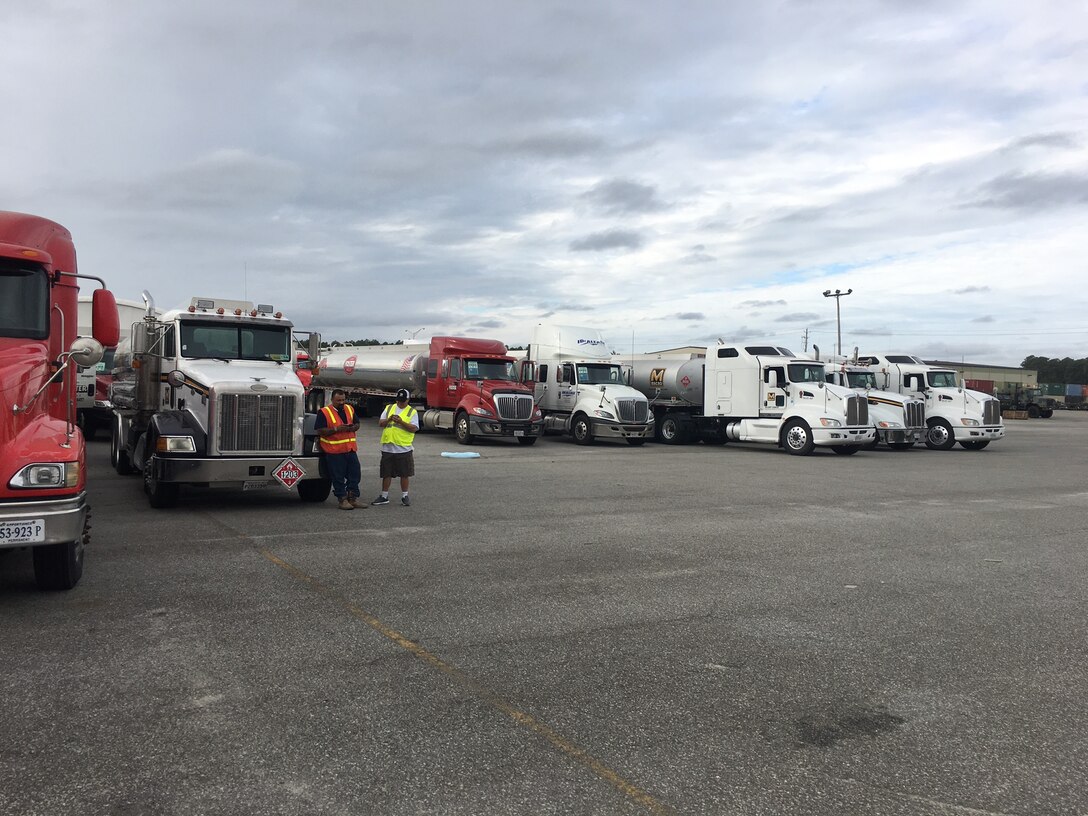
(468, 385)
(43, 473)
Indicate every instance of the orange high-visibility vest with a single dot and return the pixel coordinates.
(342, 442)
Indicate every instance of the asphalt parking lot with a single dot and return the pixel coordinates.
(569, 630)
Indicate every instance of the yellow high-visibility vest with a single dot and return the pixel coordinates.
(393, 435)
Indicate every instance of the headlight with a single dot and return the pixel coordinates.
(58, 474)
(970, 423)
(830, 423)
(175, 444)
(482, 412)
(604, 414)
(537, 414)
(888, 425)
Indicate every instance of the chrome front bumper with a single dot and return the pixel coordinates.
(63, 518)
(483, 426)
(843, 436)
(979, 433)
(229, 471)
(899, 435)
(611, 429)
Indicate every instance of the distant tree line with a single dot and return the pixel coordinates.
(1053, 370)
(364, 342)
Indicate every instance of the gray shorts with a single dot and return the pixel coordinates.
(397, 465)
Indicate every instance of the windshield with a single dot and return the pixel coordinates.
(861, 379)
(24, 300)
(941, 379)
(232, 341)
(597, 374)
(489, 370)
(806, 372)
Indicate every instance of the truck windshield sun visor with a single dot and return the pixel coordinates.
(233, 341)
(24, 300)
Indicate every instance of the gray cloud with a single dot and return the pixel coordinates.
(487, 324)
(610, 239)
(621, 196)
(1056, 140)
(697, 258)
(760, 304)
(798, 317)
(871, 332)
(984, 319)
(1033, 191)
(688, 316)
(971, 290)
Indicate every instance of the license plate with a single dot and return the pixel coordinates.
(519, 433)
(23, 531)
(255, 485)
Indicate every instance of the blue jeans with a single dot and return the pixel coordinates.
(344, 471)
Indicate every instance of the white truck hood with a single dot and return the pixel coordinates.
(242, 375)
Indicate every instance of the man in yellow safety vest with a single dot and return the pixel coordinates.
(399, 424)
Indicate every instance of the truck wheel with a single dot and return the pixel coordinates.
(462, 430)
(1046, 413)
(314, 490)
(60, 566)
(582, 430)
(636, 441)
(846, 450)
(670, 430)
(940, 436)
(527, 440)
(1034, 412)
(160, 495)
(976, 445)
(900, 445)
(797, 438)
(118, 455)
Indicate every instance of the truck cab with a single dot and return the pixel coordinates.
(207, 396)
(953, 413)
(582, 389)
(899, 419)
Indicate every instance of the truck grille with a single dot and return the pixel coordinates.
(257, 423)
(991, 412)
(514, 406)
(857, 410)
(916, 415)
(631, 410)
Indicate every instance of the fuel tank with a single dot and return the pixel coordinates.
(669, 379)
(375, 368)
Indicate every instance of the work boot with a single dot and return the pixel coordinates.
(354, 499)
(345, 504)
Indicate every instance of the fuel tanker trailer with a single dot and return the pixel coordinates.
(757, 393)
(464, 384)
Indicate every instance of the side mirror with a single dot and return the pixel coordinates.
(772, 378)
(105, 324)
(175, 378)
(86, 352)
(313, 345)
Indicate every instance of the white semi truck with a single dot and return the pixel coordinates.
(581, 387)
(207, 396)
(899, 419)
(755, 393)
(953, 414)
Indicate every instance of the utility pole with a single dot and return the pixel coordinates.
(804, 339)
(837, 294)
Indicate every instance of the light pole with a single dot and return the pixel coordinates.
(837, 294)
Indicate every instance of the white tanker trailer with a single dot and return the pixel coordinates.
(467, 385)
(751, 394)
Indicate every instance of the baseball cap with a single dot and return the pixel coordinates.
(402, 394)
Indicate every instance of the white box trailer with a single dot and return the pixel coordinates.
(753, 393)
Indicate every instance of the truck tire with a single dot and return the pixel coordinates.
(797, 438)
(118, 454)
(636, 441)
(670, 430)
(846, 450)
(939, 435)
(1034, 412)
(462, 429)
(582, 430)
(160, 495)
(900, 446)
(314, 490)
(1046, 413)
(60, 566)
(527, 440)
(976, 445)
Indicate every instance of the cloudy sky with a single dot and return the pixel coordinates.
(669, 173)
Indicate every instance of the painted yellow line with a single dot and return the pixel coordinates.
(557, 740)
